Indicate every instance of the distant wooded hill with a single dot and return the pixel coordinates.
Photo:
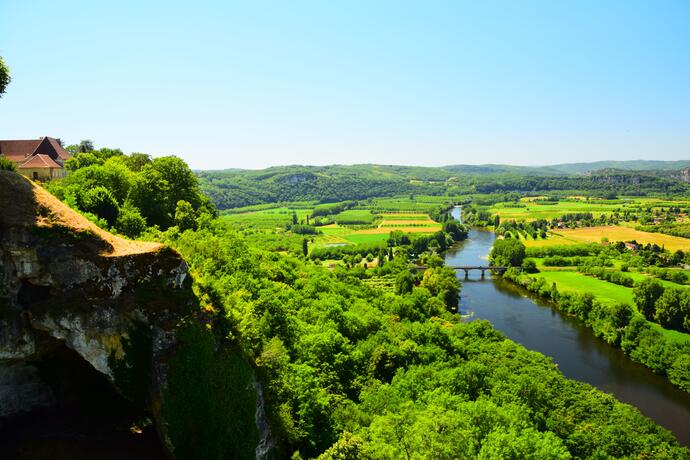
(235, 188)
(574, 168)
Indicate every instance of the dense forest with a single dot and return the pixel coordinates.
(350, 369)
(324, 184)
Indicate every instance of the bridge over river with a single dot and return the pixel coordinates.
(467, 268)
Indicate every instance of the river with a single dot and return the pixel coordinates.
(580, 355)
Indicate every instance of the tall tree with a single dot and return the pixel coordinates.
(507, 252)
(85, 146)
(646, 294)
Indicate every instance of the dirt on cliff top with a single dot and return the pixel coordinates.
(24, 203)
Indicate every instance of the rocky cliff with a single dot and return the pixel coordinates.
(67, 288)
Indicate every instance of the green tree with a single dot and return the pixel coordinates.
(160, 185)
(455, 229)
(645, 296)
(507, 252)
(185, 216)
(527, 444)
(100, 201)
(404, 282)
(136, 161)
(529, 266)
(114, 177)
(679, 373)
(130, 222)
(85, 146)
(442, 283)
(668, 309)
(4, 76)
(82, 160)
(305, 247)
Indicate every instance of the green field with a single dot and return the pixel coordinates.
(527, 209)
(417, 204)
(267, 218)
(358, 238)
(578, 282)
(356, 216)
(607, 293)
(405, 216)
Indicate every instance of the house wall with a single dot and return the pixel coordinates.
(58, 173)
(42, 173)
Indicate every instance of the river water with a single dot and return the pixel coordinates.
(580, 355)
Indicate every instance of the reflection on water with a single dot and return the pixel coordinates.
(533, 323)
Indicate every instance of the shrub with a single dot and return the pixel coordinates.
(304, 229)
(130, 222)
(7, 165)
(100, 202)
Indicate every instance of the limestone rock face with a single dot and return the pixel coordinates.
(63, 280)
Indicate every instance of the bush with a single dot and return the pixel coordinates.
(130, 222)
(7, 165)
(100, 202)
(529, 266)
(304, 229)
(185, 216)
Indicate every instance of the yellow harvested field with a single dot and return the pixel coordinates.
(613, 233)
(374, 231)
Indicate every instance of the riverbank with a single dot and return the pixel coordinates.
(619, 325)
(534, 322)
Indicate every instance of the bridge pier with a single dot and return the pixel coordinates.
(483, 273)
(467, 272)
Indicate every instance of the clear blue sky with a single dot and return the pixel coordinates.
(253, 84)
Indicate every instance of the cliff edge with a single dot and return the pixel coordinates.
(73, 296)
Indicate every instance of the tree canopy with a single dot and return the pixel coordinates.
(125, 190)
(4, 76)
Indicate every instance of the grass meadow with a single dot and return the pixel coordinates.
(606, 292)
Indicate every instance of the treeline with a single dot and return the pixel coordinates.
(236, 189)
(669, 307)
(332, 208)
(597, 186)
(612, 276)
(379, 250)
(681, 230)
(128, 193)
(560, 261)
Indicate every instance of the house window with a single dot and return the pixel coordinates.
(35, 174)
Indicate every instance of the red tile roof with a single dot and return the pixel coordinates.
(39, 161)
(20, 150)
